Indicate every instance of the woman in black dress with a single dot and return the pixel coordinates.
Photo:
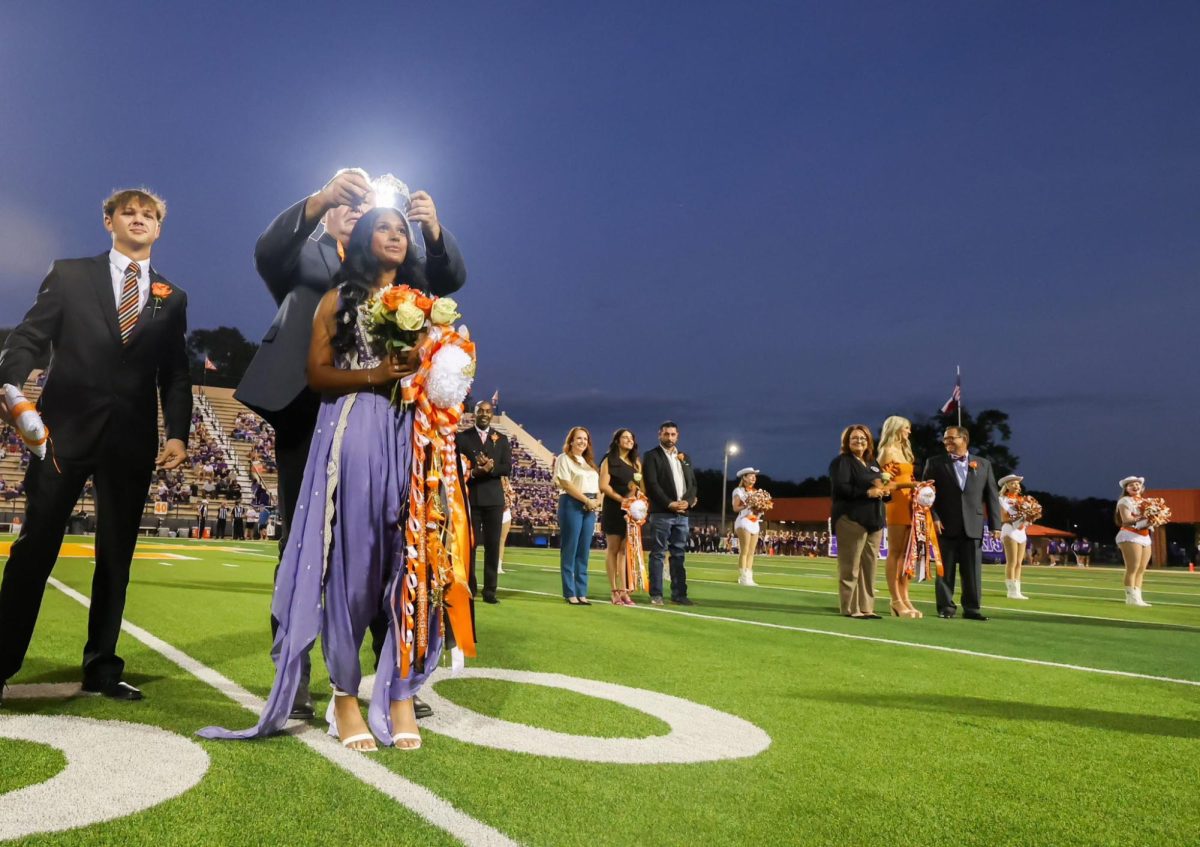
(620, 474)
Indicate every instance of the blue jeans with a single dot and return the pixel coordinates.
(668, 532)
(575, 527)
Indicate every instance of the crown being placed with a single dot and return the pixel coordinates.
(391, 193)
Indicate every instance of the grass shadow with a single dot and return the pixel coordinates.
(1129, 722)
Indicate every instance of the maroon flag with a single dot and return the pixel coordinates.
(955, 401)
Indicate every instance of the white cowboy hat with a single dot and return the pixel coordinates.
(1130, 479)
(745, 471)
(1005, 480)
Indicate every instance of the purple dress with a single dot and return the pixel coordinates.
(345, 555)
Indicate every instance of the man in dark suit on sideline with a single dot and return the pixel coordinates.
(966, 485)
(671, 488)
(298, 264)
(116, 328)
(490, 454)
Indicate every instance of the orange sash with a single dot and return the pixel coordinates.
(438, 534)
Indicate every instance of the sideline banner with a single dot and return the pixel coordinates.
(991, 545)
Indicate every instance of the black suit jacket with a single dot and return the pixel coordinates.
(660, 482)
(298, 269)
(95, 383)
(961, 511)
(485, 488)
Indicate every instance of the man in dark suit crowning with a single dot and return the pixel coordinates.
(298, 264)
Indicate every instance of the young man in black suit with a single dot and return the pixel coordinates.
(671, 488)
(116, 328)
(490, 454)
(298, 262)
(966, 486)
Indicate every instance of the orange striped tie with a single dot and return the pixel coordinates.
(127, 311)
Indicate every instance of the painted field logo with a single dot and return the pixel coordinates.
(113, 769)
(698, 733)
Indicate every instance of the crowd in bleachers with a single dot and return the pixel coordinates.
(253, 430)
(535, 498)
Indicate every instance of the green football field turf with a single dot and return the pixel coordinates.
(1067, 719)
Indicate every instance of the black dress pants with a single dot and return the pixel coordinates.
(487, 522)
(122, 478)
(964, 555)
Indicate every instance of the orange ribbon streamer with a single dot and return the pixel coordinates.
(636, 577)
(923, 555)
(438, 534)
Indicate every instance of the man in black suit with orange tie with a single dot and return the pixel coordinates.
(966, 485)
(116, 329)
(490, 454)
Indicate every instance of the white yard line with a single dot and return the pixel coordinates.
(414, 797)
(893, 642)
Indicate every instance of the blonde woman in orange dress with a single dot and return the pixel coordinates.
(896, 458)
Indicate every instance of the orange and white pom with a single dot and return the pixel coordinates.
(27, 420)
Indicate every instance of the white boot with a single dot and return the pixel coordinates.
(500, 566)
(1130, 596)
(1137, 598)
(1017, 595)
(1010, 589)
(747, 578)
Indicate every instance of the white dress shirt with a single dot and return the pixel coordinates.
(117, 263)
(676, 471)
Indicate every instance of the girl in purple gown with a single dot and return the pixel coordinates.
(346, 548)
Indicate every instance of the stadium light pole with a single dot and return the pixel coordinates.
(730, 450)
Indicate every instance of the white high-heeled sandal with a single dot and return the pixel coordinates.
(407, 736)
(331, 719)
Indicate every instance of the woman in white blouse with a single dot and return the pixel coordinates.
(576, 476)
(1133, 538)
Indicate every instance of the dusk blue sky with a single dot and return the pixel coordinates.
(764, 220)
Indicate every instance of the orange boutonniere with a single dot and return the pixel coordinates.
(972, 465)
(682, 457)
(160, 291)
(495, 437)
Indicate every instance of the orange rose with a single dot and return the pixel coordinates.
(424, 303)
(160, 290)
(392, 298)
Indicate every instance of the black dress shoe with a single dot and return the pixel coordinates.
(872, 617)
(420, 708)
(302, 710)
(974, 616)
(946, 613)
(683, 601)
(114, 690)
(491, 599)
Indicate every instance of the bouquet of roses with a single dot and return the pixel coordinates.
(1026, 508)
(1155, 511)
(396, 315)
(759, 501)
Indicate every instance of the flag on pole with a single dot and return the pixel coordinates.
(208, 364)
(496, 398)
(955, 401)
